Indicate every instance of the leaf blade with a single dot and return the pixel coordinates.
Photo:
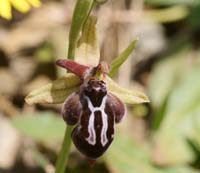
(31, 124)
(122, 58)
(182, 112)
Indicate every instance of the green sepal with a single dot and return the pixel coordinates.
(126, 95)
(55, 92)
(117, 62)
(87, 51)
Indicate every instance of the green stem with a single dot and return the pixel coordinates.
(80, 15)
(81, 12)
(65, 150)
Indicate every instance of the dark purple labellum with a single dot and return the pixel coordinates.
(93, 110)
(96, 112)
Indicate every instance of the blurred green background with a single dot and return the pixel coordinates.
(160, 137)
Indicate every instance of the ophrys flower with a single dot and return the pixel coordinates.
(93, 109)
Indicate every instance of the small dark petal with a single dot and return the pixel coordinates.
(71, 109)
(117, 106)
(73, 67)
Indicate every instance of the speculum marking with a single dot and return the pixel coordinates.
(91, 129)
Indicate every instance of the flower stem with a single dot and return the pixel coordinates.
(65, 150)
(80, 15)
(81, 12)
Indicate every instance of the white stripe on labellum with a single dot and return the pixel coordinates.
(92, 135)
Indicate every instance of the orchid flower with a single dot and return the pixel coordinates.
(92, 101)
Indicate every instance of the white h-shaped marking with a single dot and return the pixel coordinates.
(92, 135)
